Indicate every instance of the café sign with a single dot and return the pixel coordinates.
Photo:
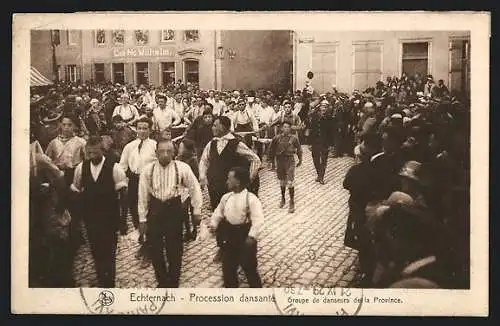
(143, 52)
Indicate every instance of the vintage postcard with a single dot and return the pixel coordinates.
(255, 163)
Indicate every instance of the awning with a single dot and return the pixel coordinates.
(37, 79)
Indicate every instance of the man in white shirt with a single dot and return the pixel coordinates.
(222, 153)
(101, 185)
(161, 213)
(239, 218)
(177, 105)
(265, 114)
(163, 116)
(244, 121)
(196, 110)
(127, 111)
(137, 154)
(211, 97)
(253, 108)
(170, 99)
(219, 106)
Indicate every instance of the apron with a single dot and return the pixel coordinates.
(245, 127)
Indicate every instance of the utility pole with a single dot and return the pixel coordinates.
(55, 40)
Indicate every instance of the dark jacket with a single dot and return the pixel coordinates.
(321, 129)
(192, 162)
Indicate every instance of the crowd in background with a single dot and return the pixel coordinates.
(409, 189)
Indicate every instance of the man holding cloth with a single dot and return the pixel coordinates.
(161, 212)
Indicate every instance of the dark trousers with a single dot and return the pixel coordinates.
(165, 234)
(260, 147)
(50, 256)
(236, 253)
(187, 209)
(133, 197)
(103, 241)
(320, 157)
(215, 193)
(254, 186)
(72, 203)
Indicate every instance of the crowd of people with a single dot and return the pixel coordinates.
(102, 151)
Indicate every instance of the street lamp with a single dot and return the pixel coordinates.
(220, 52)
(231, 53)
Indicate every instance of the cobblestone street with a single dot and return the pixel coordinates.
(302, 248)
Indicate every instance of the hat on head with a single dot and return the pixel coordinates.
(324, 102)
(401, 198)
(117, 118)
(414, 283)
(52, 116)
(396, 116)
(411, 170)
(368, 105)
(251, 99)
(94, 101)
(236, 93)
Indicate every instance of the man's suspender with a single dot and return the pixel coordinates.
(247, 217)
(177, 178)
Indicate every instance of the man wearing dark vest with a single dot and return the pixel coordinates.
(161, 185)
(222, 153)
(102, 185)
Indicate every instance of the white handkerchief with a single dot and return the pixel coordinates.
(204, 232)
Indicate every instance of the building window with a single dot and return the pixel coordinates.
(72, 37)
(72, 73)
(99, 72)
(415, 58)
(167, 35)
(191, 35)
(119, 37)
(324, 66)
(141, 36)
(142, 73)
(192, 71)
(459, 67)
(118, 73)
(168, 73)
(100, 37)
(367, 70)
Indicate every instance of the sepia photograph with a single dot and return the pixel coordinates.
(249, 158)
